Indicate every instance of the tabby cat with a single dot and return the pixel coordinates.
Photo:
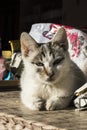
(49, 78)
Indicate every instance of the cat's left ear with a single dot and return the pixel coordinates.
(60, 38)
(28, 44)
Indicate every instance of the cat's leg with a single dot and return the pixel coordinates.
(32, 102)
(55, 103)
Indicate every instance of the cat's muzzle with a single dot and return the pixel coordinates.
(51, 77)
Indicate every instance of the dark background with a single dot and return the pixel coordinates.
(17, 16)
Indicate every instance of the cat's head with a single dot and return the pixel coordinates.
(47, 59)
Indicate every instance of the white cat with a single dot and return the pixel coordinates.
(49, 78)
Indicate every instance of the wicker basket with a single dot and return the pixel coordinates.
(11, 122)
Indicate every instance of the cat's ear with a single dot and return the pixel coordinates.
(60, 38)
(28, 44)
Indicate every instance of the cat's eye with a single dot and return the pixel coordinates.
(39, 64)
(58, 61)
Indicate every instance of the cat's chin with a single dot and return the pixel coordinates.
(48, 81)
(51, 82)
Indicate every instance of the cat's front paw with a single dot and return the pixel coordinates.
(51, 105)
(56, 104)
(38, 104)
(34, 104)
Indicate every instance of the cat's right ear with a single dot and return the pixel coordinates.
(28, 44)
(60, 38)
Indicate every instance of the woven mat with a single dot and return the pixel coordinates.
(11, 122)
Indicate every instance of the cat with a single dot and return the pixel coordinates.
(49, 78)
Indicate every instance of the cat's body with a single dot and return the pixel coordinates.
(49, 78)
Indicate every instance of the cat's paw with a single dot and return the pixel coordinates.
(32, 102)
(51, 105)
(35, 104)
(38, 104)
(57, 104)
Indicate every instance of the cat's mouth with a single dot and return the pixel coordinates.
(50, 79)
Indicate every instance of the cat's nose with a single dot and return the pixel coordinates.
(51, 74)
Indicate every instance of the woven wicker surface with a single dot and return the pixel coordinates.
(11, 122)
(21, 118)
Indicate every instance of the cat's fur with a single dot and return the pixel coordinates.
(49, 78)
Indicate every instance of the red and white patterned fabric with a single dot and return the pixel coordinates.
(44, 32)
